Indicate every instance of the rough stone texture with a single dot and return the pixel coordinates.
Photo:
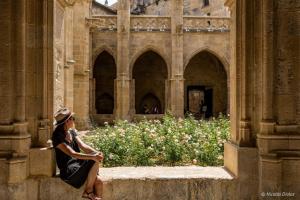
(262, 50)
(265, 45)
(178, 183)
(44, 168)
(167, 183)
(191, 7)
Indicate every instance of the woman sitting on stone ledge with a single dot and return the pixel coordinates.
(75, 167)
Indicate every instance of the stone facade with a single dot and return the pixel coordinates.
(190, 7)
(146, 34)
(46, 61)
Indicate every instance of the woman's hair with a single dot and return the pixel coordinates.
(59, 128)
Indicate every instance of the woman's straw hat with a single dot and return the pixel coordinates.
(62, 115)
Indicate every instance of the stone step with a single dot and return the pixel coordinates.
(146, 183)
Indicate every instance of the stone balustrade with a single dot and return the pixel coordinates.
(150, 23)
(102, 23)
(160, 24)
(205, 24)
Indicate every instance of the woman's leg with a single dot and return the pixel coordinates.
(98, 187)
(90, 181)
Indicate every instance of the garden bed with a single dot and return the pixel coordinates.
(166, 142)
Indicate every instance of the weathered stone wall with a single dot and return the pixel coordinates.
(139, 183)
(263, 87)
(26, 94)
(59, 54)
(159, 42)
(191, 7)
(81, 47)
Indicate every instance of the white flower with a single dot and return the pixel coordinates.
(195, 161)
(111, 156)
(105, 123)
(152, 131)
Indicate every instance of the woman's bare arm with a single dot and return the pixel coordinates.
(86, 148)
(69, 151)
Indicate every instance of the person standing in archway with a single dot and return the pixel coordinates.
(76, 168)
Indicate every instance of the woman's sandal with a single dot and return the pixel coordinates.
(90, 195)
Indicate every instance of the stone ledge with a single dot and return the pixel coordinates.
(161, 173)
(146, 183)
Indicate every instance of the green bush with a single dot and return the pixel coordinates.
(170, 141)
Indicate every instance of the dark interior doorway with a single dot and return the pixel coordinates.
(200, 101)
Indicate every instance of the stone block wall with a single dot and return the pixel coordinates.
(81, 41)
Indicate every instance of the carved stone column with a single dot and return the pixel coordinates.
(177, 80)
(81, 46)
(14, 135)
(267, 124)
(123, 82)
(238, 153)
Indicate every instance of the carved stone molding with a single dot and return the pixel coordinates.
(206, 24)
(148, 24)
(103, 23)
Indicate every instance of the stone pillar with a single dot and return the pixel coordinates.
(279, 139)
(82, 63)
(14, 135)
(177, 71)
(238, 153)
(267, 124)
(246, 63)
(69, 60)
(123, 82)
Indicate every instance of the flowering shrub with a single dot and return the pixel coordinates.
(170, 141)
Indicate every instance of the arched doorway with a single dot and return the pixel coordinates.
(205, 86)
(104, 75)
(150, 74)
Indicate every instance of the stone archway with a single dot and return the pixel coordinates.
(104, 74)
(150, 104)
(150, 74)
(206, 92)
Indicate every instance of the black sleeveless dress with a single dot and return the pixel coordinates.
(72, 171)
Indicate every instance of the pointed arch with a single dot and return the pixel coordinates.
(212, 51)
(148, 48)
(104, 74)
(150, 74)
(101, 49)
(207, 80)
(150, 102)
